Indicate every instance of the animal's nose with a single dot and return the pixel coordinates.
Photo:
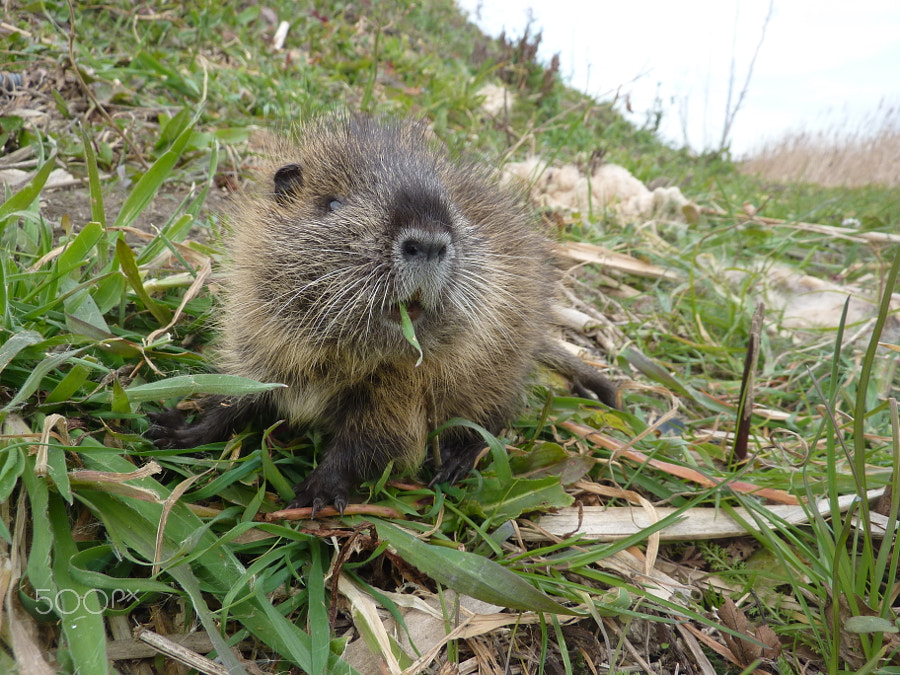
(425, 246)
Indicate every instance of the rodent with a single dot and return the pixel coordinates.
(357, 215)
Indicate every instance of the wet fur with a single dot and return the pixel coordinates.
(319, 262)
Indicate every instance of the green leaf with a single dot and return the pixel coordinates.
(273, 476)
(120, 402)
(503, 501)
(52, 297)
(232, 135)
(25, 197)
(108, 341)
(133, 274)
(147, 187)
(78, 606)
(654, 371)
(541, 456)
(132, 524)
(78, 250)
(410, 333)
(470, 573)
(169, 75)
(16, 344)
(319, 630)
(200, 199)
(171, 129)
(11, 467)
(5, 313)
(190, 385)
(81, 306)
(98, 214)
(550, 459)
(56, 470)
(870, 624)
(108, 293)
(175, 230)
(38, 562)
(37, 375)
(67, 387)
(83, 568)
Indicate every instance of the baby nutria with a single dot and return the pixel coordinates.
(359, 216)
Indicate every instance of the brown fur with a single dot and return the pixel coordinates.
(367, 214)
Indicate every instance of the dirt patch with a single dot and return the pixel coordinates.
(75, 203)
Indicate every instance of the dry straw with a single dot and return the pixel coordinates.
(866, 155)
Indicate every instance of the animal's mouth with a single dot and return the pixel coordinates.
(413, 308)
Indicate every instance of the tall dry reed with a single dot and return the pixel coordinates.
(866, 155)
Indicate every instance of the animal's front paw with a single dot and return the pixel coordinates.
(320, 489)
(587, 383)
(456, 463)
(221, 416)
(169, 429)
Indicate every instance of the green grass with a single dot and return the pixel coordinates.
(93, 336)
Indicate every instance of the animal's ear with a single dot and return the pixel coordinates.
(288, 180)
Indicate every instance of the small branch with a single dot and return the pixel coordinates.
(731, 113)
(90, 94)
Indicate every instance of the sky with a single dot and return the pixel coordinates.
(821, 64)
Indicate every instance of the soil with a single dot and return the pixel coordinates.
(75, 203)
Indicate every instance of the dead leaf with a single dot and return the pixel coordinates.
(746, 651)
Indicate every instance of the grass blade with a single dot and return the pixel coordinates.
(191, 385)
(409, 332)
(133, 524)
(147, 187)
(78, 605)
(133, 274)
(37, 375)
(25, 197)
(471, 574)
(15, 344)
(98, 213)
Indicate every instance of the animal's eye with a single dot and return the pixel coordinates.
(335, 204)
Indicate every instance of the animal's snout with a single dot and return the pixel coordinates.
(423, 261)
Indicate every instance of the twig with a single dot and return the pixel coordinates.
(90, 94)
(831, 230)
(731, 113)
(180, 653)
(848, 233)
